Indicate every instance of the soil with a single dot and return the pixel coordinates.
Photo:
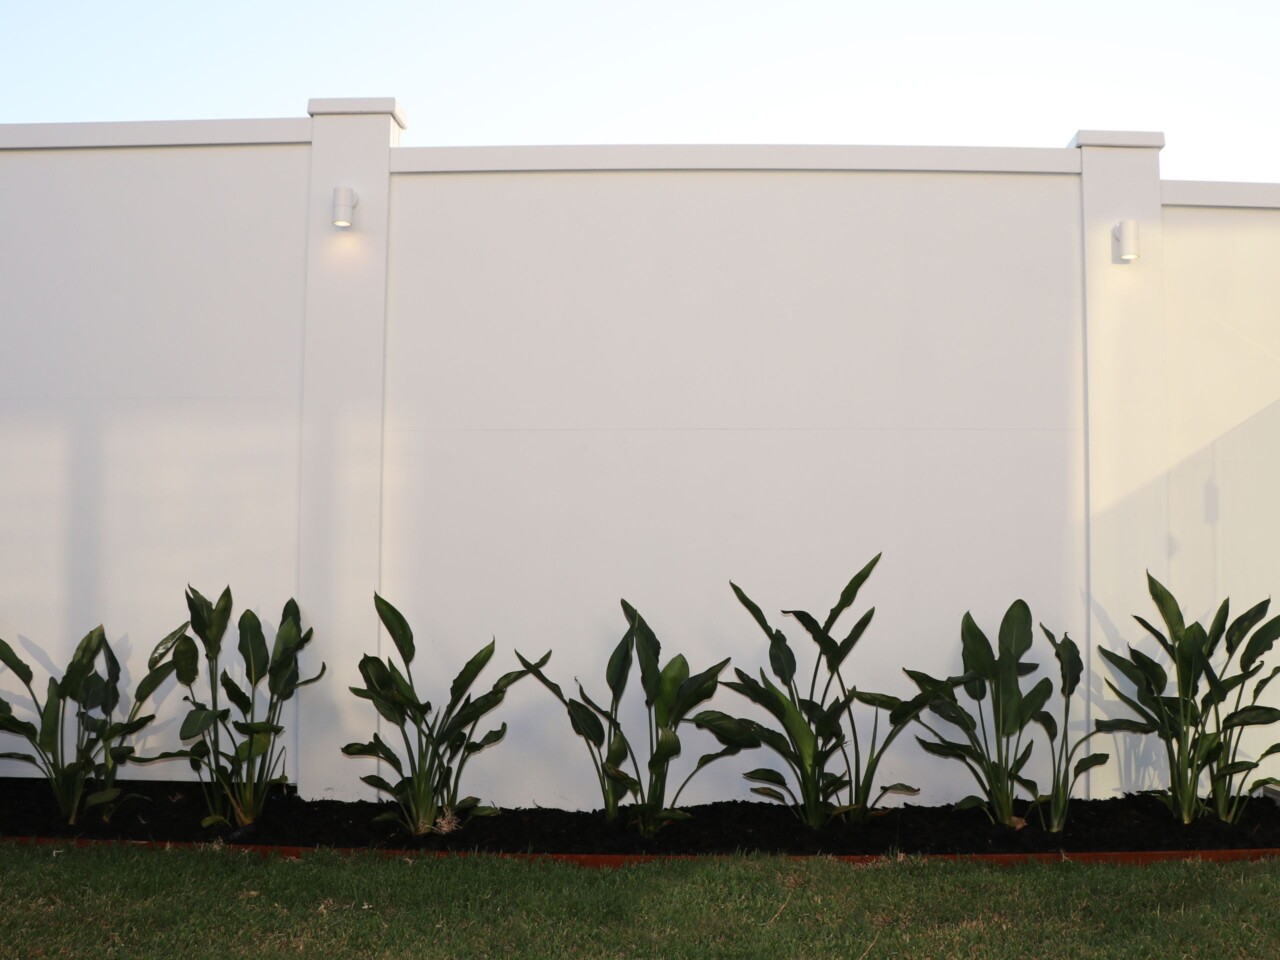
(172, 811)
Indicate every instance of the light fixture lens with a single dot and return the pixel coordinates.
(344, 202)
(1127, 239)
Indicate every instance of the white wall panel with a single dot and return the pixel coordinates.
(644, 385)
(149, 392)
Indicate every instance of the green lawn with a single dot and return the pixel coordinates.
(190, 904)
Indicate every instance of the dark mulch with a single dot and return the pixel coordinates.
(171, 811)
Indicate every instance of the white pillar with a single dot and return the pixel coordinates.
(1127, 391)
(340, 535)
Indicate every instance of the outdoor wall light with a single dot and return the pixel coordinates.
(344, 202)
(1126, 234)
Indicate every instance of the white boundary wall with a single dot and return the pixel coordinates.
(530, 381)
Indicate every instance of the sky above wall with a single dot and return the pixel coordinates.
(1019, 73)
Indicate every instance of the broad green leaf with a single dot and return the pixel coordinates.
(1015, 630)
(1252, 716)
(971, 803)
(765, 775)
(161, 650)
(1161, 639)
(50, 729)
(1229, 770)
(665, 750)
(536, 670)
(256, 727)
(282, 673)
(904, 789)
(378, 783)
(1124, 725)
(1034, 701)
(782, 660)
(467, 676)
(1260, 643)
(881, 701)
(201, 611)
(1007, 695)
(253, 648)
(218, 624)
(978, 656)
(92, 694)
(1218, 628)
(1070, 664)
(849, 642)
(670, 678)
(709, 758)
(488, 740)
(830, 650)
(1021, 762)
(729, 731)
(151, 682)
(648, 650)
(186, 660)
(127, 728)
(1154, 675)
(239, 699)
(1119, 665)
(795, 725)
(15, 663)
(1168, 607)
(769, 792)
(850, 592)
(754, 610)
(253, 747)
(696, 690)
(470, 712)
(947, 748)
(1045, 719)
(619, 668)
(1242, 624)
(954, 714)
(585, 723)
(397, 627)
(21, 757)
(197, 722)
(81, 665)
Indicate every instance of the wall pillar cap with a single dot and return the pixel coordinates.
(1118, 138)
(358, 106)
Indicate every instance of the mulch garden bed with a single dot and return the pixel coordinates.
(171, 811)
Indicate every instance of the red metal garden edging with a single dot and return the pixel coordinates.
(614, 861)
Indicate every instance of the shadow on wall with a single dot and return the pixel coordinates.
(1224, 518)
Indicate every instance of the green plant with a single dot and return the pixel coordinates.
(1201, 722)
(992, 749)
(97, 750)
(1064, 775)
(812, 738)
(670, 693)
(437, 743)
(238, 761)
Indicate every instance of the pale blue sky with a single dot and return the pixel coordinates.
(474, 72)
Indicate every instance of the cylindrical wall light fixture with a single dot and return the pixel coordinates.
(344, 203)
(1126, 234)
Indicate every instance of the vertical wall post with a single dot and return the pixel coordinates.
(340, 496)
(1127, 398)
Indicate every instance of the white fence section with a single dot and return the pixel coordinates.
(527, 382)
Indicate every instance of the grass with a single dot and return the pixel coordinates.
(192, 904)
